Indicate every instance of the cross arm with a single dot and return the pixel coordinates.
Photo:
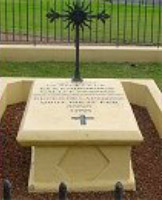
(100, 16)
(52, 15)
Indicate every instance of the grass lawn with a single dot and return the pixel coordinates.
(23, 18)
(89, 70)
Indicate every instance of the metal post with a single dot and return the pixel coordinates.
(77, 71)
(6, 189)
(62, 191)
(119, 191)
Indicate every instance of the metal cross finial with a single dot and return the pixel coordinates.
(83, 119)
(77, 15)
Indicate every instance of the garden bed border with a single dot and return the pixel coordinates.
(142, 92)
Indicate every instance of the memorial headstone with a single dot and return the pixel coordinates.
(81, 131)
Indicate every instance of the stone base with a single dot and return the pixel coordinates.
(82, 168)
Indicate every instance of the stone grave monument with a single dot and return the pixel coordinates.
(81, 131)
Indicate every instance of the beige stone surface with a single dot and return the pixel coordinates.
(111, 152)
(87, 157)
(3, 97)
(12, 91)
(53, 104)
(139, 91)
(146, 93)
(82, 168)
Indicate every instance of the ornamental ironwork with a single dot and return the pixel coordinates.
(78, 16)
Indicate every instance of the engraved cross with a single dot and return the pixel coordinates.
(83, 119)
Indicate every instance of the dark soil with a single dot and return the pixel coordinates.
(146, 158)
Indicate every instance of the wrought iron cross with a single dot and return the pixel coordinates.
(83, 119)
(77, 15)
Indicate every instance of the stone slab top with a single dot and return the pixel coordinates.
(95, 111)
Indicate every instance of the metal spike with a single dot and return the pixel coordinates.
(87, 7)
(86, 24)
(82, 6)
(68, 25)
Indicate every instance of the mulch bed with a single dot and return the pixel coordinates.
(146, 158)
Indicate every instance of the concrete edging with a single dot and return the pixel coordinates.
(143, 92)
(31, 53)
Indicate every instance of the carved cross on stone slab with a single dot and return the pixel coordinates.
(83, 119)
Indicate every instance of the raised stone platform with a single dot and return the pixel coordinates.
(81, 134)
(143, 92)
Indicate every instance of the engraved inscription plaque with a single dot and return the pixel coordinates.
(78, 97)
(94, 109)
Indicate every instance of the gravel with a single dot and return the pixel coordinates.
(146, 158)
